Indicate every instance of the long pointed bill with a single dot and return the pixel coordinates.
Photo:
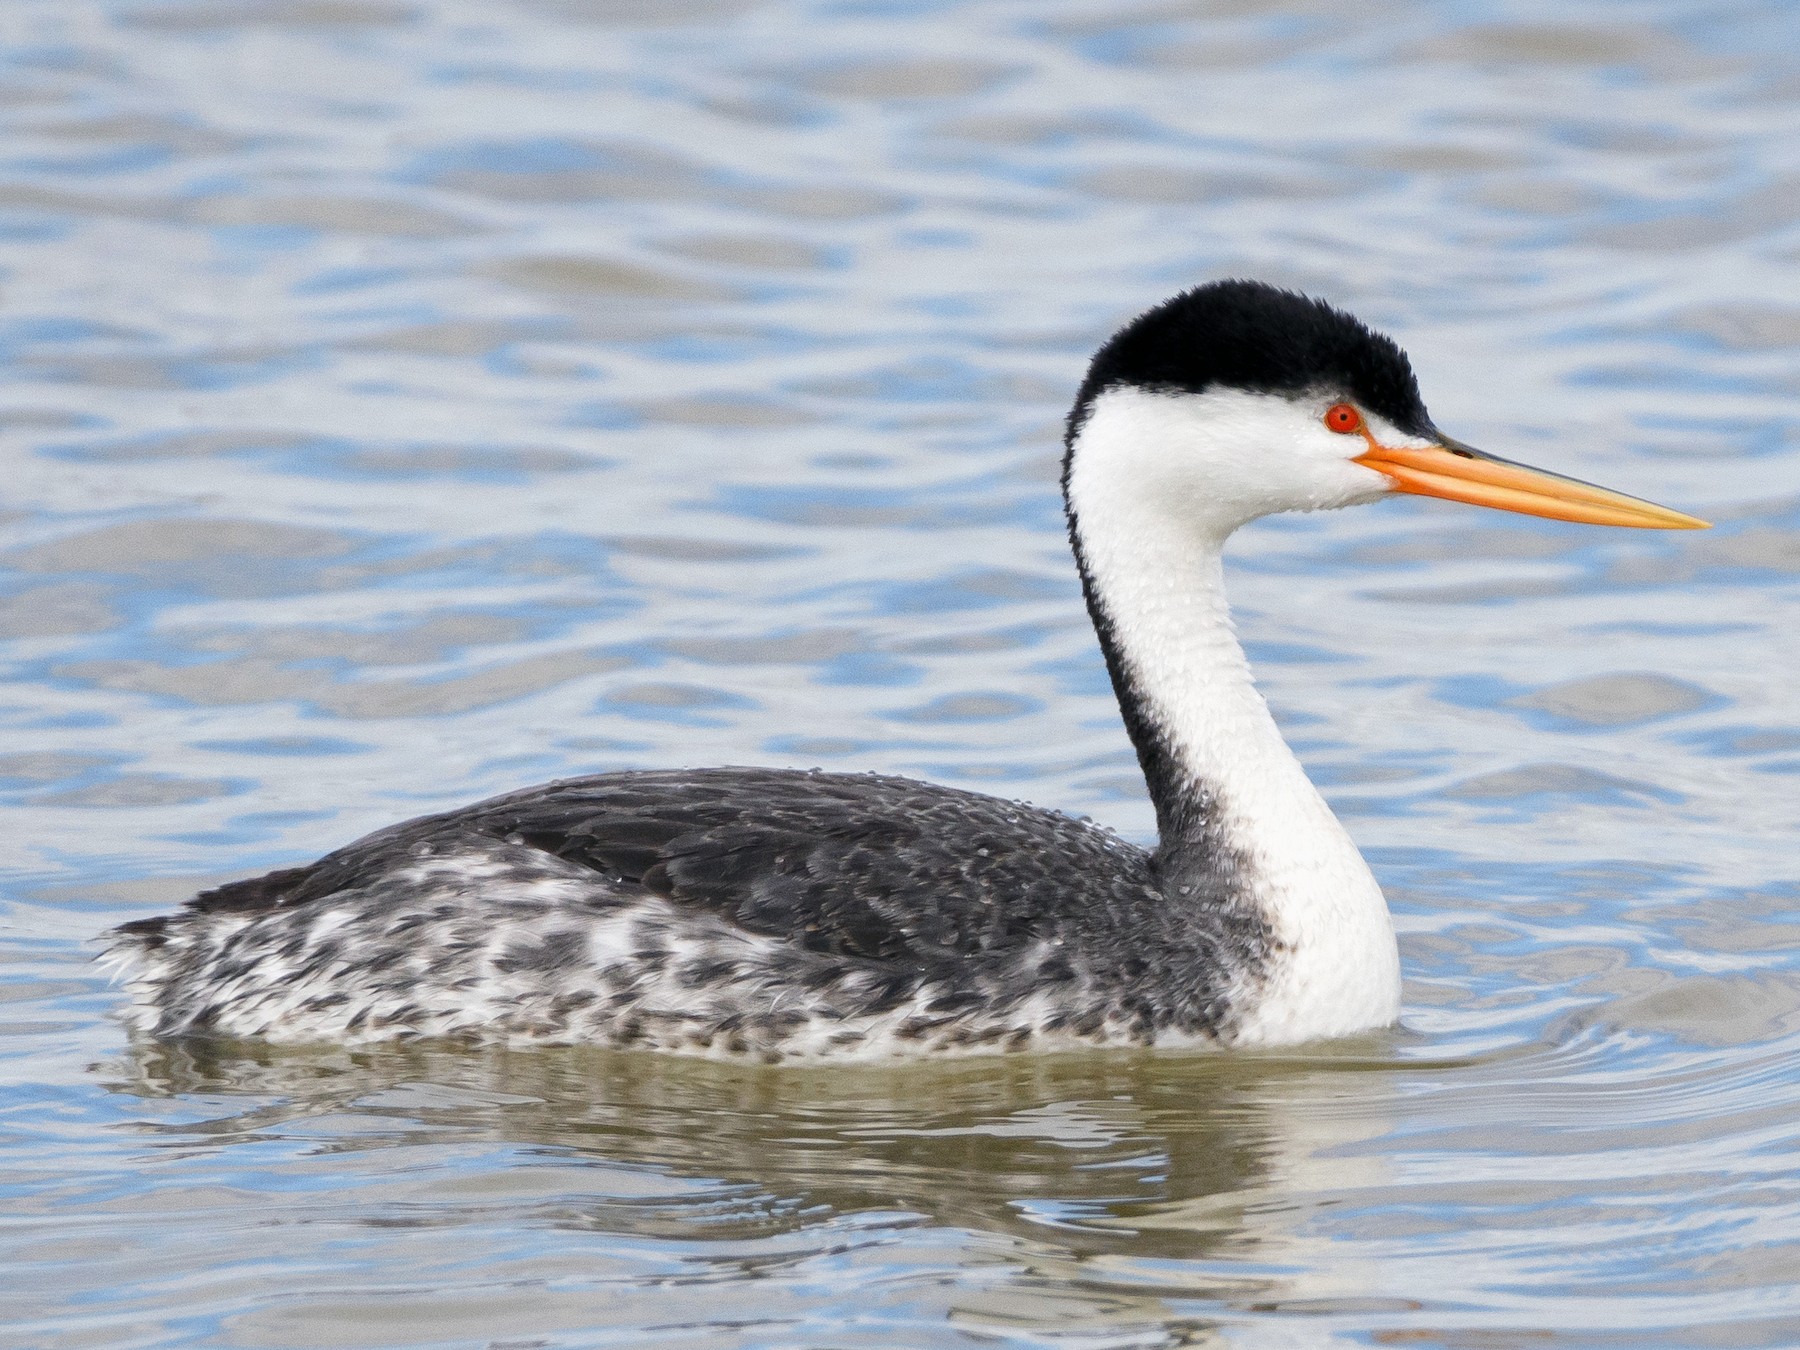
(1461, 474)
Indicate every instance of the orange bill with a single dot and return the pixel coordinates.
(1461, 474)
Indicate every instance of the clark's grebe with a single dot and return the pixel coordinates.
(781, 913)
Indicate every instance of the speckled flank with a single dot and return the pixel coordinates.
(726, 912)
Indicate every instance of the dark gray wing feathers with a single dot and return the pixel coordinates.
(869, 867)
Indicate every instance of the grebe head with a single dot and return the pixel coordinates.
(1238, 400)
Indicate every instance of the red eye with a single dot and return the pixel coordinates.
(1342, 418)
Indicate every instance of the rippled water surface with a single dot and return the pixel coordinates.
(404, 401)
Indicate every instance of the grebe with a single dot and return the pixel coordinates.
(781, 913)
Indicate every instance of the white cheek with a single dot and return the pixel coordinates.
(1344, 482)
(1220, 459)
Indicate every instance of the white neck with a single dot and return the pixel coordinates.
(1151, 543)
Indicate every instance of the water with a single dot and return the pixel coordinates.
(407, 401)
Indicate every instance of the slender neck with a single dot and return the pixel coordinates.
(1151, 554)
(1220, 774)
(1241, 828)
